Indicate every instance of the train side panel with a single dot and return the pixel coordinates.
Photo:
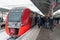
(6, 25)
(25, 21)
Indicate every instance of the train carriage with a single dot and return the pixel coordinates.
(18, 21)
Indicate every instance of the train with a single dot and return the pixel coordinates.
(19, 20)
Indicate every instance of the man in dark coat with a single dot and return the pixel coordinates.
(39, 22)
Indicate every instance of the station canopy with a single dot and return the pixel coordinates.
(4, 10)
(40, 6)
(44, 5)
(9, 4)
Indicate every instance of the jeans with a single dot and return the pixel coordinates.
(47, 24)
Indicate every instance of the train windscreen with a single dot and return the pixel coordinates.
(15, 15)
(14, 18)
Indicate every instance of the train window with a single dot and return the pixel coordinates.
(15, 16)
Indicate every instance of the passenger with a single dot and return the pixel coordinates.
(39, 21)
(43, 20)
(47, 22)
(58, 20)
(52, 24)
(36, 19)
(1, 19)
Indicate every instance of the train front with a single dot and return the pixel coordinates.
(13, 22)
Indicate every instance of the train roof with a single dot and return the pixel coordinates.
(20, 8)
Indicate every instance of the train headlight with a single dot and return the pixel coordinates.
(21, 24)
(17, 24)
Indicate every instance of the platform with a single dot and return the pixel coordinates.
(29, 35)
(46, 34)
(4, 36)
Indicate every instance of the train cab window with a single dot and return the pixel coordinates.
(14, 18)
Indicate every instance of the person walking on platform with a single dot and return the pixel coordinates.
(39, 21)
(52, 24)
(43, 20)
(36, 19)
(47, 22)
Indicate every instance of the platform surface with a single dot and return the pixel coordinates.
(4, 36)
(46, 34)
(31, 34)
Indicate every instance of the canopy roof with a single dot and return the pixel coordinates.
(3, 10)
(9, 4)
(41, 6)
(44, 5)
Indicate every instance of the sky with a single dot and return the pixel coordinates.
(9, 4)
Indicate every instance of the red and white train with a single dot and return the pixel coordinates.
(19, 20)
